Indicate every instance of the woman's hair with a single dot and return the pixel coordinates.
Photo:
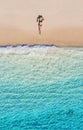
(40, 17)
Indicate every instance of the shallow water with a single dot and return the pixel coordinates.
(41, 88)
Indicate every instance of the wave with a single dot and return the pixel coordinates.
(38, 49)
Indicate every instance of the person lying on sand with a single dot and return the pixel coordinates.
(40, 19)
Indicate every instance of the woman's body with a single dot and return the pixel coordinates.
(40, 19)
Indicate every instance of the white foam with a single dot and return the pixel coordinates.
(22, 49)
(38, 49)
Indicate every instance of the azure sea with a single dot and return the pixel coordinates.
(41, 88)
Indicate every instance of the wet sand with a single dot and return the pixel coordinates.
(58, 36)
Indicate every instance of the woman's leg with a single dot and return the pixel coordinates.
(39, 28)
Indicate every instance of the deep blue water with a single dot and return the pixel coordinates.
(41, 88)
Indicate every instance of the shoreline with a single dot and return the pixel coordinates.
(38, 45)
(60, 37)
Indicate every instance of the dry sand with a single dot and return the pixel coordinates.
(63, 25)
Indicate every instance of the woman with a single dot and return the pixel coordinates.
(40, 19)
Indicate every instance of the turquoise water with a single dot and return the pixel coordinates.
(41, 88)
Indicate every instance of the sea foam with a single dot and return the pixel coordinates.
(25, 49)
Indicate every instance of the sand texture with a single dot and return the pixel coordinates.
(63, 25)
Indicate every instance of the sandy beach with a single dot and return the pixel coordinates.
(63, 25)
